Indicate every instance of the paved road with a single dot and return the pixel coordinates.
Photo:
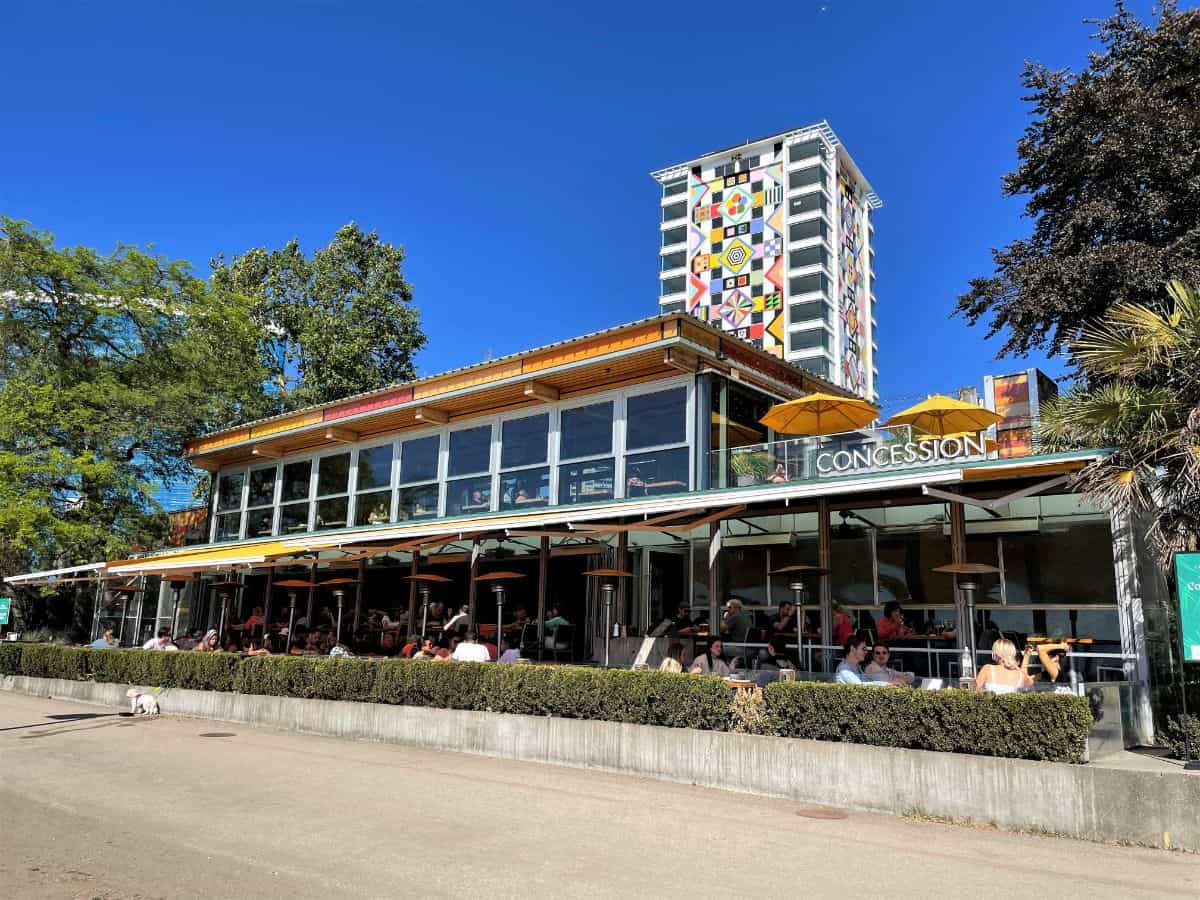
(95, 805)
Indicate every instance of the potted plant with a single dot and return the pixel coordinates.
(750, 467)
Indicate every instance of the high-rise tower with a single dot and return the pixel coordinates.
(772, 240)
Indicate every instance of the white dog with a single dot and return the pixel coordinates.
(144, 703)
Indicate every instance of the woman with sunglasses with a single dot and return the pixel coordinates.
(878, 667)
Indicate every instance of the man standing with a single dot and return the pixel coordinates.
(470, 651)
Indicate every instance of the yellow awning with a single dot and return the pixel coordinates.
(197, 560)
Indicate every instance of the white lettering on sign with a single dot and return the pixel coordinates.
(894, 456)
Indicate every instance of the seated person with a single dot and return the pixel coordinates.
(460, 619)
(843, 628)
(849, 670)
(436, 616)
(470, 650)
(340, 650)
(736, 622)
(1004, 675)
(555, 620)
(878, 667)
(892, 626)
(256, 648)
(779, 475)
(511, 654)
(774, 655)
(387, 623)
(784, 620)
(520, 617)
(712, 661)
(682, 622)
(673, 662)
(255, 620)
(387, 643)
(428, 650)
(1056, 665)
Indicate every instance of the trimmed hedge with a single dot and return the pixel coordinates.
(1020, 726)
(1023, 726)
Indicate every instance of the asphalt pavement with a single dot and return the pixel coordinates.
(97, 805)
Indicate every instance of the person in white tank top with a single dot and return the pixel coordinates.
(1005, 675)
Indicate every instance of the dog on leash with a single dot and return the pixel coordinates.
(147, 704)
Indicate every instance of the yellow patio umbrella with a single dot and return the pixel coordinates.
(818, 413)
(944, 416)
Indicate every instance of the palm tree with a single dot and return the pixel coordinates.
(1139, 393)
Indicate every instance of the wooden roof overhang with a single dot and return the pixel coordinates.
(647, 351)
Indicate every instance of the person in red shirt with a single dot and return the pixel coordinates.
(842, 628)
(892, 625)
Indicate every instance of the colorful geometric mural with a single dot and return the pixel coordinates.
(735, 253)
(852, 290)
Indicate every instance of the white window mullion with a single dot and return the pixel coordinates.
(618, 448)
(394, 482)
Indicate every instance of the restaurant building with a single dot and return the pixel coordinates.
(640, 448)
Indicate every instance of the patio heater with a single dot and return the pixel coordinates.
(224, 589)
(608, 592)
(125, 592)
(292, 585)
(968, 577)
(796, 584)
(497, 579)
(339, 586)
(425, 583)
(177, 583)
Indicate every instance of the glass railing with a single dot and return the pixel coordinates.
(848, 453)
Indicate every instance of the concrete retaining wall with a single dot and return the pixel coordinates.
(1088, 802)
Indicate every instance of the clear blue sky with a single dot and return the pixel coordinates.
(508, 147)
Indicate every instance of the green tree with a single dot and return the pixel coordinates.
(339, 323)
(1139, 394)
(1111, 169)
(111, 361)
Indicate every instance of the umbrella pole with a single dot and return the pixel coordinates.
(287, 646)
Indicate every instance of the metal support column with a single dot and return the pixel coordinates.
(825, 582)
(412, 592)
(543, 576)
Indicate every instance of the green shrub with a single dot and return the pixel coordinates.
(10, 658)
(1183, 735)
(1029, 726)
(54, 661)
(1023, 726)
(156, 668)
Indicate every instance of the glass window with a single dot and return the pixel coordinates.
(807, 340)
(419, 459)
(525, 489)
(671, 188)
(419, 502)
(813, 309)
(807, 284)
(586, 482)
(818, 366)
(802, 231)
(469, 495)
(470, 450)
(674, 211)
(333, 474)
(675, 306)
(229, 526)
(262, 487)
(293, 517)
(804, 177)
(652, 420)
(332, 513)
(229, 491)
(674, 236)
(804, 151)
(523, 441)
(373, 508)
(671, 285)
(657, 472)
(807, 203)
(374, 467)
(676, 260)
(586, 430)
(259, 522)
(296, 477)
(809, 256)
